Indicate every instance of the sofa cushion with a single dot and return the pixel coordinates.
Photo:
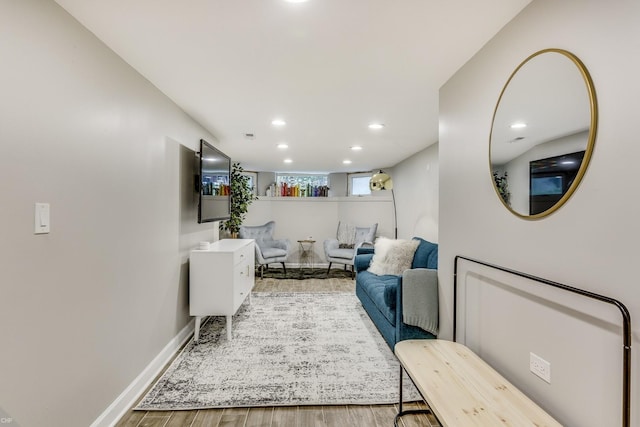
(390, 295)
(426, 255)
(377, 289)
(392, 256)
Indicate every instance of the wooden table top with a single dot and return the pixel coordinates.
(463, 390)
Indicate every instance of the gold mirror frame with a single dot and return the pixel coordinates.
(590, 139)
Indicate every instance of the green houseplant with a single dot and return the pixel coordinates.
(502, 184)
(241, 197)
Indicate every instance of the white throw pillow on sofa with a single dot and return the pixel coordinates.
(392, 256)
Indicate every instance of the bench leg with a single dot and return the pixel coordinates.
(401, 412)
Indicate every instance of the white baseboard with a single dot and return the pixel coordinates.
(130, 395)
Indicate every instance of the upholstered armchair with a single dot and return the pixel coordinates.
(343, 248)
(268, 249)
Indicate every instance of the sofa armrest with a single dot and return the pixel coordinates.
(419, 296)
(365, 249)
(362, 262)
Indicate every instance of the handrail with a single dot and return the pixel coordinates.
(626, 323)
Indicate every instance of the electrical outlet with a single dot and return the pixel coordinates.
(540, 367)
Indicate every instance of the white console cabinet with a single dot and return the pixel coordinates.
(220, 279)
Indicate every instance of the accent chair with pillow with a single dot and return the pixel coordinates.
(268, 249)
(343, 249)
(397, 285)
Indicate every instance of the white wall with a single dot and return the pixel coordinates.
(88, 306)
(591, 242)
(415, 182)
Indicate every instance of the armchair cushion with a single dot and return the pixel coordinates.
(272, 252)
(344, 253)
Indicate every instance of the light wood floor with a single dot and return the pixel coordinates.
(290, 416)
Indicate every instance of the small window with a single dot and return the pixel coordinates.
(359, 184)
(253, 181)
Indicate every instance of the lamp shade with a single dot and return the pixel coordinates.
(380, 181)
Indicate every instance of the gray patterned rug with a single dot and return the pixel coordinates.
(287, 349)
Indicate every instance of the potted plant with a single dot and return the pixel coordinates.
(241, 197)
(502, 184)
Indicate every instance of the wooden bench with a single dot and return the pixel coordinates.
(463, 390)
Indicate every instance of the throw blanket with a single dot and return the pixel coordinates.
(420, 299)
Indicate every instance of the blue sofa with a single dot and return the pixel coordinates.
(381, 296)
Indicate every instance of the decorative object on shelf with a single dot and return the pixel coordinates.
(242, 196)
(502, 185)
(296, 190)
(300, 185)
(382, 181)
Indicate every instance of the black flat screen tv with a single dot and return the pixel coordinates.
(214, 202)
(550, 179)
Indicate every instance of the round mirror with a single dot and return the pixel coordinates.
(543, 132)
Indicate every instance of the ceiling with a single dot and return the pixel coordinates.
(327, 67)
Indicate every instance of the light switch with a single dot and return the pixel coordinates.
(42, 223)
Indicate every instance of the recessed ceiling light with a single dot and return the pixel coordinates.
(288, 161)
(356, 148)
(278, 122)
(296, 1)
(282, 146)
(376, 126)
(518, 125)
(346, 162)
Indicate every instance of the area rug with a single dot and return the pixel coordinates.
(306, 273)
(287, 349)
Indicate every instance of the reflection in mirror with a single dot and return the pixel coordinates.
(543, 132)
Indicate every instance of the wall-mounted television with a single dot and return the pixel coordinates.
(550, 178)
(214, 202)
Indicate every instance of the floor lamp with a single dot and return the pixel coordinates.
(382, 181)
